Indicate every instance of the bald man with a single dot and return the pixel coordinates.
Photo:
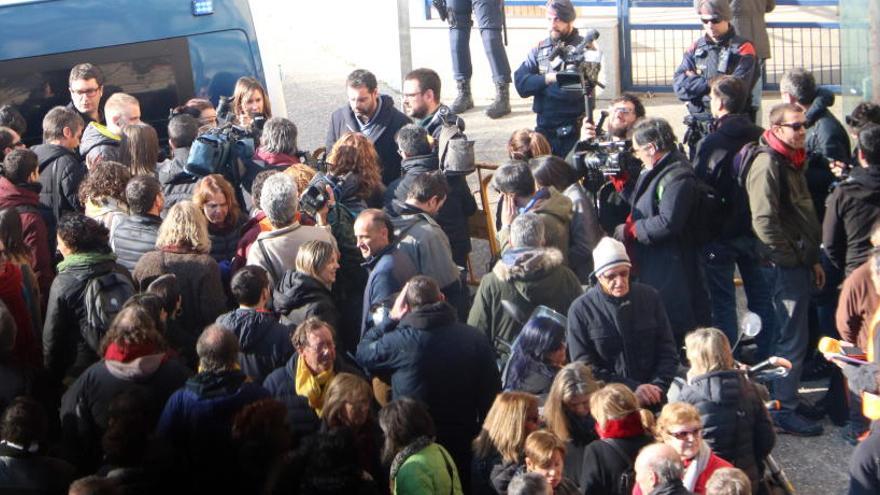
(659, 471)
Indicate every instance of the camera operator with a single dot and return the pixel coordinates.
(612, 187)
(559, 111)
(719, 51)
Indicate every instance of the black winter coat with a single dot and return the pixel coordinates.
(624, 340)
(301, 418)
(26, 473)
(300, 296)
(134, 236)
(389, 121)
(826, 140)
(264, 344)
(713, 163)
(177, 185)
(61, 173)
(665, 257)
(735, 420)
(603, 466)
(852, 209)
(65, 352)
(453, 215)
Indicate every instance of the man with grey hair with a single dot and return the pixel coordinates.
(659, 471)
(278, 151)
(101, 142)
(527, 275)
(197, 419)
(276, 249)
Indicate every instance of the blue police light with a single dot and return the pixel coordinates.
(202, 7)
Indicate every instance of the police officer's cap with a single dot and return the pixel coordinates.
(562, 9)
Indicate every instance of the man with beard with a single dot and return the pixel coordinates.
(559, 112)
(372, 115)
(421, 102)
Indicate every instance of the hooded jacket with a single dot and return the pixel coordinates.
(735, 420)
(388, 121)
(300, 296)
(852, 209)
(826, 140)
(134, 236)
(556, 211)
(453, 215)
(264, 344)
(421, 237)
(445, 364)
(526, 277)
(98, 141)
(177, 185)
(35, 232)
(624, 340)
(61, 173)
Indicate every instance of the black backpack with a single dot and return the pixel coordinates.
(742, 164)
(103, 298)
(627, 480)
(702, 223)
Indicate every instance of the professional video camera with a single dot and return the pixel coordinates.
(315, 196)
(577, 68)
(599, 158)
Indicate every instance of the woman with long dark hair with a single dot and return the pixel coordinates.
(538, 353)
(249, 100)
(16, 252)
(139, 149)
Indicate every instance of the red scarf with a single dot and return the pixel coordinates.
(796, 157)
(178, 249)
(625, 427)
(25, 348)
(116, 352)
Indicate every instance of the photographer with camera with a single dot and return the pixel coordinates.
(558, 110)
(250, 106)
(719, 51)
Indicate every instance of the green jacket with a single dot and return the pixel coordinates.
(427, 472)
(556, 212)
(783, 216)
(527, 278)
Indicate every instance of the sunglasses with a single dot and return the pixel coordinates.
(713, 20)
(684, 434)
(795, 126)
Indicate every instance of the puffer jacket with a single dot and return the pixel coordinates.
(177, 185)
(527, 278)
(264, 344)
(134, 236)
(61, 173)
(852, 208)
(735, 420)
(555, 210)
(300, 296)
(225, 240)
(97, 141)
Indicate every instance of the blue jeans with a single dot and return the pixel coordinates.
(791, 299)
(719, 261)
(489, 18)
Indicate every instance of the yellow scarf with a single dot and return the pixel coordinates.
(311, 386)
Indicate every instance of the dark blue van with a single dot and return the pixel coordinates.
(161, 51)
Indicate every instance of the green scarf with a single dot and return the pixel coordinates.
(84, 259)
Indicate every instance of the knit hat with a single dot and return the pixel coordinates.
(609, 253)
(563, 9)
(714, 9)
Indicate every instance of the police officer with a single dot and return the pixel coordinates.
(559, 112)
(720, 51)
(491, 19)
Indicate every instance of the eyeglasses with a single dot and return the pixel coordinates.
(684, 434)
(795, 126)
(713, 20)
(85, 92)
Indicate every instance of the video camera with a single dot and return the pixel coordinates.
(600, 158)
(315, 196)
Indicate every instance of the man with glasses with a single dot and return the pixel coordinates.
(785, 222)
(9, 140)
(86, 89)
(620, 329)
(421, 102)
(719, 51)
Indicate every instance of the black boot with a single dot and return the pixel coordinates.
(501, 106)
(464, 101)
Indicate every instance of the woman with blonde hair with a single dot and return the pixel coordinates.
(182, 248)
(305, 291)
(248, 100)
(623, 430)
(349, 404)
(735, 421)
(354, 160)
(513, 416)
(215, 196)
(679, 426)
(567, 412)
(139, 149)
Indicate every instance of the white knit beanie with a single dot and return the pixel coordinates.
(608, 254)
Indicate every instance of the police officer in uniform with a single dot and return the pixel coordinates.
(719, 51)
(490, 16)
(559, 112)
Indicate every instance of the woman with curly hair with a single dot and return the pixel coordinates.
(103, 193)
(216, 198)
(84, 243)
(134, 356)
(249, 99)
(355, 161)
(139, 149)
(182, 248)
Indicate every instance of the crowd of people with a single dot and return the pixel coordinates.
(288, 324)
